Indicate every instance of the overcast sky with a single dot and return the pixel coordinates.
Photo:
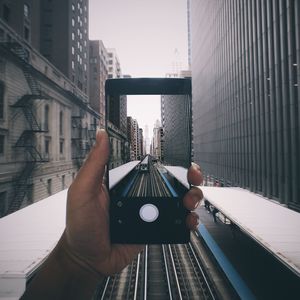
(145, 34)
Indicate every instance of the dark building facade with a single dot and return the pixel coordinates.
(64, 38)
(98, 74)
(176, 131)
(246, 70)
(23, 17)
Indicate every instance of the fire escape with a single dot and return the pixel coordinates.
(26, 141)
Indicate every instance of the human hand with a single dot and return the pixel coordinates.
(86, 238)
(84, 253)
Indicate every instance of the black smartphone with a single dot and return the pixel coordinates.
(148, 121)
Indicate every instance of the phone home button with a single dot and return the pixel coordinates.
(149, 213)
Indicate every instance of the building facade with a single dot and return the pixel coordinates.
(246, 73)
(64, 38)
(157, 145)
(23, 17)
(46, 126)
(98, 75)
(175, 112)
(141, 144)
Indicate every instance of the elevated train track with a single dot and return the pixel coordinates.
(160, 271)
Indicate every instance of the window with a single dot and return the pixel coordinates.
(26, 10)
(2, 140)
(73, 50)
(84, 67)
(85, 55)
(61, 146)
(2, 203)
(26, 33)
(46, 117)
(73, 36)
(73, 7)
(49, 187)
(73, 65)
(6, 13)
(63, 178)
(73, 22)
(61, 123)
(47, 146)
(1, 100)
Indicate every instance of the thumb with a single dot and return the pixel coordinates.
(91, 173)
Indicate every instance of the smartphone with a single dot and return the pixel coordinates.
(148, 121)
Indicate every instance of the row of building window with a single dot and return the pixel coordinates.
(3, 194)
(80, 62)
(79, 7)
(47, 145)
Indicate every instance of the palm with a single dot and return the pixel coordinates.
(87, 232)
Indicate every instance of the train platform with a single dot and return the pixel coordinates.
(268, 225)
(117, 174)
(29, 235)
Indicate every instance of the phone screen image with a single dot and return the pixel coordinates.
(148, 121)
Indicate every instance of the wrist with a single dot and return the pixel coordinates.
(72, 263)
(63, 276)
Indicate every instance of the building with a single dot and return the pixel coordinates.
(176, 123)
(132, 137)
(141, 144)
(156, 148)
(117, 112)
(114, 66)
(24, 18)
(46, 126)
(120, 150)
(175, 112)
(64, 38)
(246, 73)
(118, 105)
(98, 74)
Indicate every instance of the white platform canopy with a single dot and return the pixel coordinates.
(117, 174)
(29, 235)
(272, 225)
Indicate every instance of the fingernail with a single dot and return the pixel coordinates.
(196, 166)
(99, 131)
(197, 201)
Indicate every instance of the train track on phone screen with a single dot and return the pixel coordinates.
(160, 271)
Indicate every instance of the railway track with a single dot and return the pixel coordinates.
(160, 271)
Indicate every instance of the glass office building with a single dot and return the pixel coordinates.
(245, 79)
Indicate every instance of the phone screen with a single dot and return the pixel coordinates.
(148, 121)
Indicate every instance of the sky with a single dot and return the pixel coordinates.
(150, 37)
